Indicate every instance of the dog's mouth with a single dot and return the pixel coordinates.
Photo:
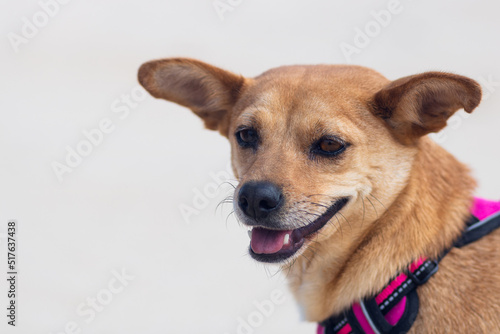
(270, 246)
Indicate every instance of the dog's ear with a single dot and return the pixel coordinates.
(208, 91)
(419, 104)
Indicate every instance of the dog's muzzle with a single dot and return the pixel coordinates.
(260, 203)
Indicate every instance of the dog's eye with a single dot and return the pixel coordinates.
(328, 147)
(247, 138)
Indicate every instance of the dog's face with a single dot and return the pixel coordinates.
(316, 149)
(308, 151)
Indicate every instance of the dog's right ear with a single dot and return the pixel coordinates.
(208, 91)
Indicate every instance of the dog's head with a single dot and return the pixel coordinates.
(316, 149)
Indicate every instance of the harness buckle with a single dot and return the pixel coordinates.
(430, 267)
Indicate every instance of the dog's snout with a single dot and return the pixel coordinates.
(258, 199)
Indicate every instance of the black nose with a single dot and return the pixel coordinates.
(258, 199)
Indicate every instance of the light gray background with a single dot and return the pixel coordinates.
(120, 207)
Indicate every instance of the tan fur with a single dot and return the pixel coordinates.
(408, 196)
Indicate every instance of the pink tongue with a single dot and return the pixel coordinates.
(267, 241)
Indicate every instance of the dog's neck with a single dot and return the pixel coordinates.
(436, 200)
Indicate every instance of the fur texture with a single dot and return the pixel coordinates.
(408, 197)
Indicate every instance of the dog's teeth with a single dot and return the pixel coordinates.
(250, 234)
(286, 239)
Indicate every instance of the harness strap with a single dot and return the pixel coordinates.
(394, 305)
(478, 229)
(395, 308)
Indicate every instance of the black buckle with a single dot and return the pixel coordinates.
(430, 272)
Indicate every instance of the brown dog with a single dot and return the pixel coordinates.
(342, 186)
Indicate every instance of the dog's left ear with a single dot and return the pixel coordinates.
(210, 92)
(419, 104)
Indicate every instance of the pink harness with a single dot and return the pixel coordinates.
(395, 308)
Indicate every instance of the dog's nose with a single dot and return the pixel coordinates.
(258, 199)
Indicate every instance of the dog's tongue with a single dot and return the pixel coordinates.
(266, 241)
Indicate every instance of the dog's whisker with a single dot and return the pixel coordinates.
(268, 272)
(226, 200)
(288, 265)
(308, 261)
(363, 201)
(228, 182)
(339, 226)
(374, 208)
(229, 215)
(379, 202)
(347, 221)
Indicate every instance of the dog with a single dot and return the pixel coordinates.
(344, 190)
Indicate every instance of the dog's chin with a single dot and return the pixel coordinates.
(275, 246)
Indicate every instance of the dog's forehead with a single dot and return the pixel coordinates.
(309, 96)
